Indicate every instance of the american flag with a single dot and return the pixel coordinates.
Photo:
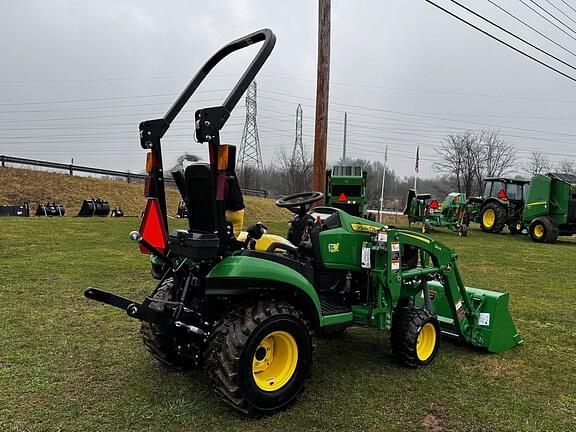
(417, 158)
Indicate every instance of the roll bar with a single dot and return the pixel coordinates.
(247, 77)
(157, 128)
(208, 121)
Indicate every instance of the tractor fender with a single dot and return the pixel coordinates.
(495, 200)
(240, 275)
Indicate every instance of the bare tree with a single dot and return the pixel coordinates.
(250, 177)
(460, 154)
(181, 161)
(538, 163)
(294, 174)
(497, 155)
(471, 156)
(567, 166)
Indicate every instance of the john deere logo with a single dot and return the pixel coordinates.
(333, 247)
(364, 228)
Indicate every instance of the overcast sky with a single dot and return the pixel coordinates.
(78, 76)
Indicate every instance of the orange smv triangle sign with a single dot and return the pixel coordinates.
(152, 227)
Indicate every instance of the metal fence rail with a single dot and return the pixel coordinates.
(71, 168)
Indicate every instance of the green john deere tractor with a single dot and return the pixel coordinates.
(550, 208)
(451, 214)
(346, 190)
(501, 205)
(247, 307)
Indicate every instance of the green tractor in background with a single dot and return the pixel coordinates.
(451, 214)
(550, 208)
(501, 205)
(247, 310)
(346, 190)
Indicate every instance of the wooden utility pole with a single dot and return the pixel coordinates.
(322, 85)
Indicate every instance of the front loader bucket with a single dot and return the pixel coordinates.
(491, 328)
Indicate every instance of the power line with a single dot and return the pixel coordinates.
(508, 32)
(560, 10)
(546, 19)
(346, 84)
(532, 28)
(410, 114)
(553, 16)
(567, 4)
(501, 41)
(105, 98)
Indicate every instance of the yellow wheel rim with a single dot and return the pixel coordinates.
(488, 218)
(424, 229)
(275, 361)
(539, 231)
(518, 227)
(426, 342)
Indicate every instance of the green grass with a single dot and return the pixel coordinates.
(70, 364)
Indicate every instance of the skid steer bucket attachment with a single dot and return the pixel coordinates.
(488, 325)
(94, 207)
(50, 209)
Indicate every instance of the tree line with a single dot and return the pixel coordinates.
(463, 160)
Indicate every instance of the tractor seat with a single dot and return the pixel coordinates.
(423, 197)
(200, 197)
(296, 265)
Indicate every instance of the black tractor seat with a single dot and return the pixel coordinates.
(300, 267)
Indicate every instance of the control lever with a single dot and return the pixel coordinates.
(135, 236)
(255, 232)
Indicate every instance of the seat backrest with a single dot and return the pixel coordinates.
(200, 197)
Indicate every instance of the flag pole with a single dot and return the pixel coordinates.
(383, 184)
(416, 167)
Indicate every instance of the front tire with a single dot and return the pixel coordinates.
(414, 336)
(259, 356)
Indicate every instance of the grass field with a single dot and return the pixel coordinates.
(69, 364)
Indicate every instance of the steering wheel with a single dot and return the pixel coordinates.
(300, 202)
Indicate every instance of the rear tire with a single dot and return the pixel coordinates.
(493, 218)
(426, 228)
(543, 230)
(259, 356)
(158, 339)
(414, 336)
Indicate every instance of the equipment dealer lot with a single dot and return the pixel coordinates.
(68, 363)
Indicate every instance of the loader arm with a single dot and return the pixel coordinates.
(443, 263)
(479, 317)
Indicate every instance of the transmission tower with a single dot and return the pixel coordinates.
(250, 154)
(298, 152)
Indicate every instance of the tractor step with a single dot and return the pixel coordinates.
(331, 307)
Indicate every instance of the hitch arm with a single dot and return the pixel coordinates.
(132, 308)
